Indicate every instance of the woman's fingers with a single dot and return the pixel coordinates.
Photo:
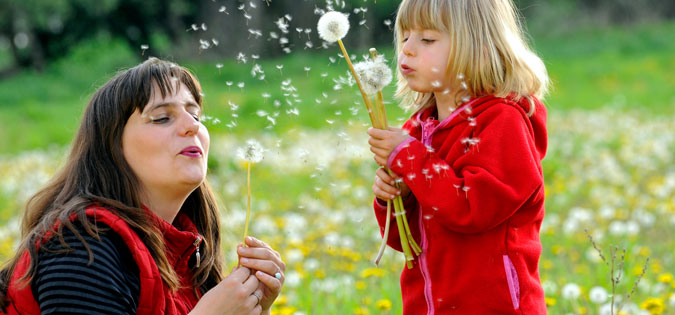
(266, 266)
(269, 281)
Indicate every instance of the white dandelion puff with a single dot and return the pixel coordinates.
(373, 74)
(333, 26)
(252, 152)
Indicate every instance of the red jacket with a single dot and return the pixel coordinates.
(476, 211)
(155, 297)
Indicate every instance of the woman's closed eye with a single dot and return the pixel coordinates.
(428, 40)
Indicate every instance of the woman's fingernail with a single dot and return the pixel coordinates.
(244, 260)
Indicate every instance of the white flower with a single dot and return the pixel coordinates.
(333, 26)
(597, 295)
(571, 291)
(252, 152)
(373, 74)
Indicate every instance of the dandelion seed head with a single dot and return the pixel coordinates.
(252, 152)
(333, 26)
(374, 75)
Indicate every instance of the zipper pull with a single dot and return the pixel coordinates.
(197, 255)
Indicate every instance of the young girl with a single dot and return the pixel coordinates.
(468, 160)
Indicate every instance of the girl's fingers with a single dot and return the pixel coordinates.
(377, 133)
(379, 151)
(384, 176)
(380, 161)
(380, 193)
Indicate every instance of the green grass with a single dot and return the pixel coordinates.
(622, 67)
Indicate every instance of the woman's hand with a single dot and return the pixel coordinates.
(268, 267)
(383, 142)
(384, 186)
(237, 294)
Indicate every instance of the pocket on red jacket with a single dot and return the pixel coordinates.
(512, 281)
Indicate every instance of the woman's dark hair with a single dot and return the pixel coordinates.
(96, 172)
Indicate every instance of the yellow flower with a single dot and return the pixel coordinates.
(361, 311)
(550, 301)
(653, 305)
(372, 272)
(281, 300)
(360, 285)
(666, 277)
(383, 305)
(547, 264)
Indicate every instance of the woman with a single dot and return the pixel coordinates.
(130, 225)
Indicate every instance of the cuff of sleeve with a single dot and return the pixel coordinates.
(398, 149)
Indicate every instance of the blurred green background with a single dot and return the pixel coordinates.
(609, 168)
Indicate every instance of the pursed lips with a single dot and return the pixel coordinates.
(192, 151)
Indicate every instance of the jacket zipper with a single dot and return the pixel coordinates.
(427, 130)
(198, 257)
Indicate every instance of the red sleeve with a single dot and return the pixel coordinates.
(486, 185)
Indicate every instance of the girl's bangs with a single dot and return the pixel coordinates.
(422, 14)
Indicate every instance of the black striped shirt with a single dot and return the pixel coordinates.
(65, 283)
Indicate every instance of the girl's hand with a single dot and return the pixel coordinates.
(384, 187)
(383, 142)
(268, 268)
(236, 294)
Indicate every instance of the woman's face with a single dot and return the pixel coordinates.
(166, 145)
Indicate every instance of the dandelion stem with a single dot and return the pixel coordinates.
(385, 234)
(248, 204)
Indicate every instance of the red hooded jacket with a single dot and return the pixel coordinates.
(155, 296)
(477, 208)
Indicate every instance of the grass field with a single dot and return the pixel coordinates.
(609, 167)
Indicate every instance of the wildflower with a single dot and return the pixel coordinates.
(383, 305)
(374, 75)
(653, 305)
(597, 295)
(550, 301)
(571, 291)
(666, 277)
(333, 26)
(372, 272)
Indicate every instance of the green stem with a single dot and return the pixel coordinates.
(248, 204)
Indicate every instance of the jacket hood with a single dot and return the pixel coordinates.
(536, 122)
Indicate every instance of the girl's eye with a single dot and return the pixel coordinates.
(197, 117)
(428, 41)
(405, 40)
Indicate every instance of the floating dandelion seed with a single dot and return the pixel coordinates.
(388, 23)
(436, 84)
(463, 85)
(241, 85)
(204, 28)
(333, 26)
(241, 57)
(280, 67)
(143, 49)
(223, 10)
(374, 75)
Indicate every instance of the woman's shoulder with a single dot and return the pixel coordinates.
(86, 270)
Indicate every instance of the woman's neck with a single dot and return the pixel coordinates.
(164, 205)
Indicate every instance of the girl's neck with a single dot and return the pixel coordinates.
(445, 104)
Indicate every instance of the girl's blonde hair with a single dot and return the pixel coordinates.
(487, 48)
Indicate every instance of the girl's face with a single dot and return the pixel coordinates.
(166, 145)
(423, 60)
